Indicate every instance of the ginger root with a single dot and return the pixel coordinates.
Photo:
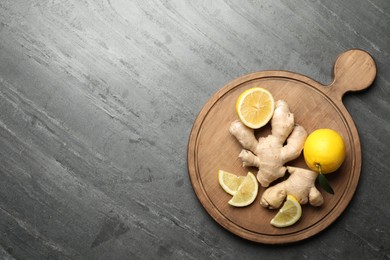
(269, 154)
(300, 184)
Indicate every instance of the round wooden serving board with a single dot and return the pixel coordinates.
(211, 147)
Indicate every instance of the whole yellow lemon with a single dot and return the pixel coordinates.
(324, 150)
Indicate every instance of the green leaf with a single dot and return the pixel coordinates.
(324, 183)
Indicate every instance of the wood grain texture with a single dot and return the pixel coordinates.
(212, 148)
(97, 101)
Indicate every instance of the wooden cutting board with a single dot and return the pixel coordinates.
(211, 147)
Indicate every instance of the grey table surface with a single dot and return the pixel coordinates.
(97, 101)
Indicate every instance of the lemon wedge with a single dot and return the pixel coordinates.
(246, 192)
(229, 181)
(289, 214)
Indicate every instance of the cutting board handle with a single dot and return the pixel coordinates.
(354, 70)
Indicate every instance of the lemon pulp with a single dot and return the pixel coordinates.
(229, 181)
(289, 214)
(246, 192)
(255, 107)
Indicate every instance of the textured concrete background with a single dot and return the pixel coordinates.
(97, 100)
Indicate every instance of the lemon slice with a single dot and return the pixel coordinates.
(246, 192)
(289, 214)
(229, 181)
(255, 107)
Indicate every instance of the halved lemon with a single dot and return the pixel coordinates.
(229, 181)
(289, 214)
(255, 107)
(246, 192)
